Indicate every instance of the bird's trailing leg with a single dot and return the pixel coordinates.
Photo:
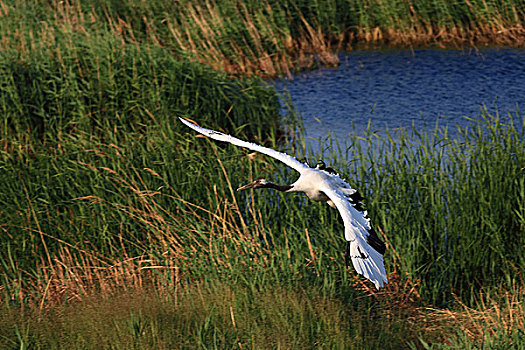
(347, 254)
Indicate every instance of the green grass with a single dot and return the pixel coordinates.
(97, 203)
(82, 127)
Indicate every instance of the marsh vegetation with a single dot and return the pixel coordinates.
(121, 229)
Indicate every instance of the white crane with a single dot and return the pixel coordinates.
(363, 246)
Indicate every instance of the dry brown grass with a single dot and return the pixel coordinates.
(201, 30)
(503, 313)
(455, 36)
(493, 314)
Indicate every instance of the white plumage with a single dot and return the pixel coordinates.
(363, 246)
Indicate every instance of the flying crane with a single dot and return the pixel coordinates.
(363, 246)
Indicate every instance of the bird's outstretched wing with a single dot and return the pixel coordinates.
(366, 250)
(219, 136)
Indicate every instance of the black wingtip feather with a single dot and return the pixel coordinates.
(375, 242)
(356, 197)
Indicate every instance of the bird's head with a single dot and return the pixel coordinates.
(259, 183)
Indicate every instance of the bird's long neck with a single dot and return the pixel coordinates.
(282, 188)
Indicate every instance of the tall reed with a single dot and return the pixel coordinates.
(84, 138)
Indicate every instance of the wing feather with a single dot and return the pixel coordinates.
(219, 136)
(367, 261)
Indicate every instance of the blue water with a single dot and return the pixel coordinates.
(401, 88)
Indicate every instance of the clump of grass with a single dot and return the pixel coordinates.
(498, 316)
(106, 89)
(496, 322)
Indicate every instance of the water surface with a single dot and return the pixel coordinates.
(401, 88)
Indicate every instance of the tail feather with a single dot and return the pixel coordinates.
(368, 262)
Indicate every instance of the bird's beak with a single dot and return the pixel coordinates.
(250, 185)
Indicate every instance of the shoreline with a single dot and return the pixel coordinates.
(262, 39)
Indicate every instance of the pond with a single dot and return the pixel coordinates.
(401, 88)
